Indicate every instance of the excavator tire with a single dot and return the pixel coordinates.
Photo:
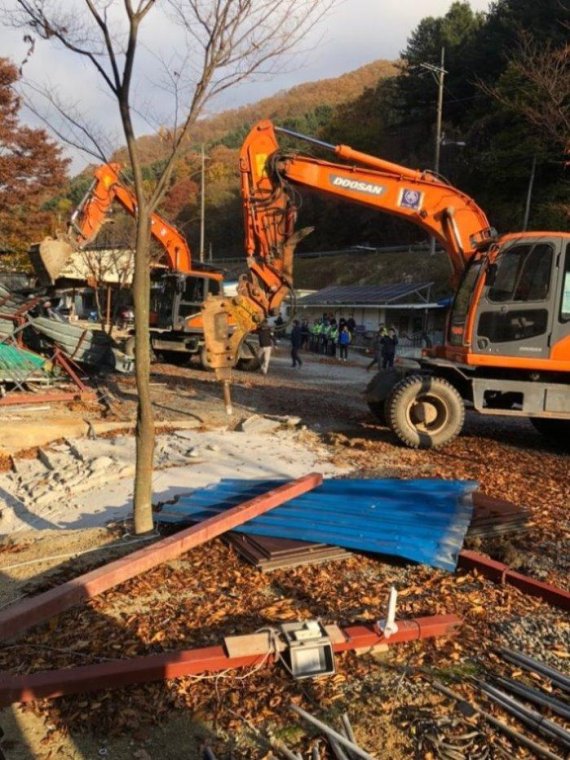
(557, 431)
(425, 412)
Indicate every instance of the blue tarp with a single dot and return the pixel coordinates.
(420, 520)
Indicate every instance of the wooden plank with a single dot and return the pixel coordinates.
(23, 615)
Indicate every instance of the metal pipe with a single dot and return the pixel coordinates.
(525, 714)
(528, 663)
(538, 749)
(337, 751)
(347, 727)
(331, 732)
(306, 138)
(535, 695)
(278, 746)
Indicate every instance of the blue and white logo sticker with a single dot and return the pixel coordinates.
(411, 199)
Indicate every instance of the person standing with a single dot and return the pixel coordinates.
(305, 334)
(265, 336)
(296, 341)
(389, 343)
(380, 335)
(333, 339)
(343, 341)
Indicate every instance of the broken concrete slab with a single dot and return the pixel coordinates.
(79, 498)
(28, 434)
(259, 424)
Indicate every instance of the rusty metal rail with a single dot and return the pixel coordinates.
(501, 573)
(23, 615)
(156, 667)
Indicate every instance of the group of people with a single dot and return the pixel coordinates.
(326, 334)
(324, 337)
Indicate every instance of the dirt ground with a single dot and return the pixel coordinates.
(210, 593)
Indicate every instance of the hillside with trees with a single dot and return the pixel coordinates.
(506, 128)
(506, 107)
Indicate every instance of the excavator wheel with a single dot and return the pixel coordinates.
(557, 431)
(425, 412)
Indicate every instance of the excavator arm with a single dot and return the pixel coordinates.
(269, 179)
(88, 218)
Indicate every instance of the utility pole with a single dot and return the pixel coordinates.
(202, 205)
(529, 194)
(438, 73)
(441, 75)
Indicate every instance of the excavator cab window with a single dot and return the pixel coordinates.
(523, 274)
(193, 290)
(514, 313)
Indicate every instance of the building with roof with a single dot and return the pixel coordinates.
(406, 306)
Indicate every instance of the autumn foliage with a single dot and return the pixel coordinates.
(32, 170)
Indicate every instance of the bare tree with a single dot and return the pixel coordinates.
(220, 43)
(541, 74)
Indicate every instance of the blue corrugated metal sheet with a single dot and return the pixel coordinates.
(420, 520)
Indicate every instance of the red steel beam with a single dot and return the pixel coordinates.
(17, 397)
(37, 609)
(156, 667)
(501, 573)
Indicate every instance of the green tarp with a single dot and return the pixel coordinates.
(17, 364)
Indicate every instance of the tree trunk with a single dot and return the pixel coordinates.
(142, 507)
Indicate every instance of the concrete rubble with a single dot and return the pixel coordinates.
(83, 482)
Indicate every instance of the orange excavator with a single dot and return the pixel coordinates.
(507, 346)
(177, 293)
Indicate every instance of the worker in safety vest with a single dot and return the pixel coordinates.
(315, 335)
(333, 339)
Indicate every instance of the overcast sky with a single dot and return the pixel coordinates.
(354, 32)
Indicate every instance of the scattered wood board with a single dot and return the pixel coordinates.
(269, 554)
(492, 517)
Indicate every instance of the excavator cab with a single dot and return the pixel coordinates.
(517, 312)
(510, 302)
(179, 298)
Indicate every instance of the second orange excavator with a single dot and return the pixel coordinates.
(177, 293)
(507, 346)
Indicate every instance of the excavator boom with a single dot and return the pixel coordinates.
(50, 257)
(269, 177)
